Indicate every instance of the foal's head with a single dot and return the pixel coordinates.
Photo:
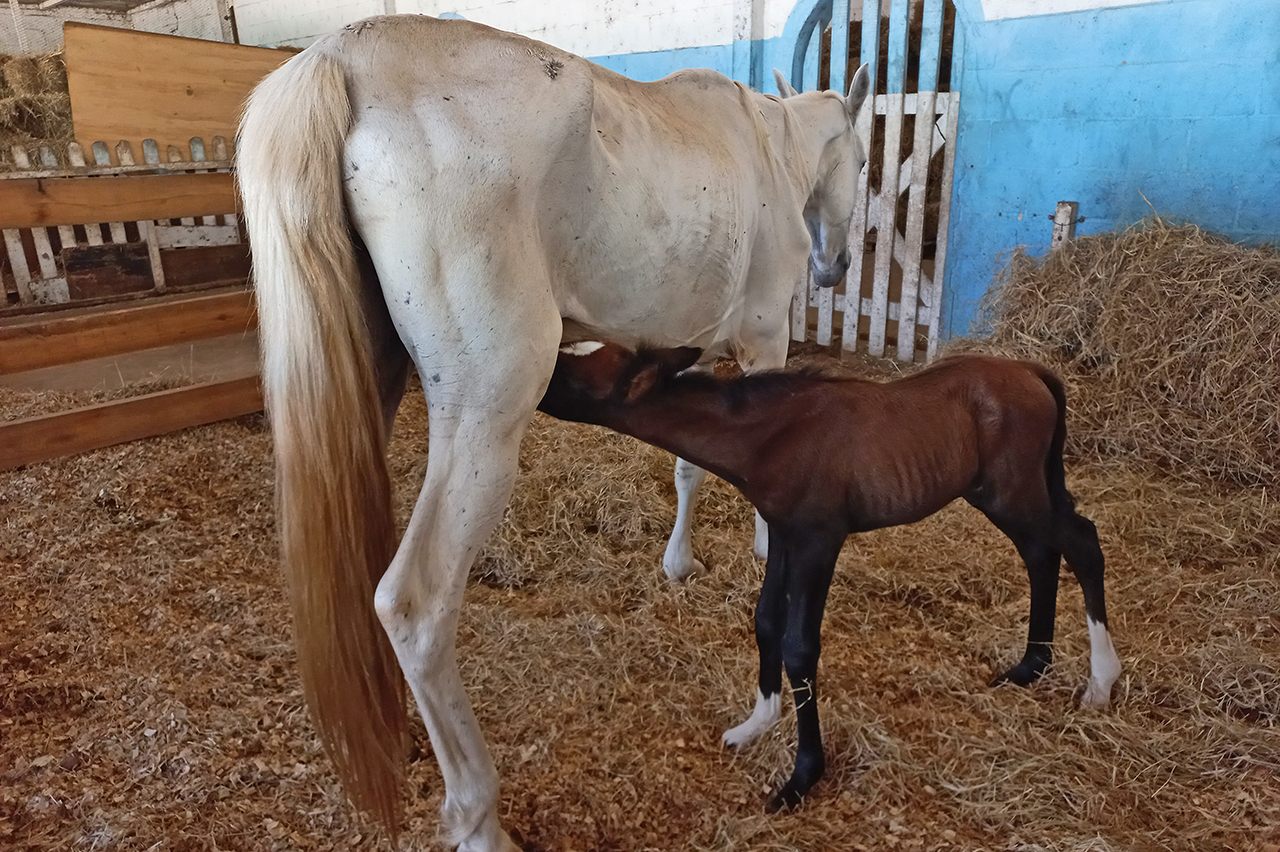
(590, 376)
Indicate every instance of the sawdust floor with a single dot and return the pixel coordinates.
(148, 699)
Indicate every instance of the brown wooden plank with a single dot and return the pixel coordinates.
(45, 342)
(40, 202)
(51, 436)
(184, 267)
(107, 270)
(133, 85)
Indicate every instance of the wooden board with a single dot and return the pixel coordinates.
(46, 342)
(134, 85)
(107, 270)
(189, 267)
(41, 202)
(52, 436)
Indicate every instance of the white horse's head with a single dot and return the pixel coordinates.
(830, 205)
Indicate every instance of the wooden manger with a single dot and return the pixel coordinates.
(114, 257)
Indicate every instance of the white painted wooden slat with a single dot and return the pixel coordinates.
(862, 214)
(188, 236)
(822, 299)
(75, 156)
(800, 308)
(944, 218)
(222, 155)
(841, 74)
(124, 156)
(196, 144)
(18, 263)
(886, 231)
(175, 156)
(66, 233)
(914, 243)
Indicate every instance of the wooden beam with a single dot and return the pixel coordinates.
(51, 436)
(47, 342)
(41, 202)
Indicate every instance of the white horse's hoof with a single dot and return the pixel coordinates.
(682, 569)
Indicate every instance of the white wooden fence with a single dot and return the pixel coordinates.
(892, 296)
(33, 267)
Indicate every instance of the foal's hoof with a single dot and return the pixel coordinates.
(1023, 674)
(790, 796)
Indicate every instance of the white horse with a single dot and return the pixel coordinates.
(446, 194)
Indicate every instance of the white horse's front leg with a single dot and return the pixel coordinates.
(678, 561)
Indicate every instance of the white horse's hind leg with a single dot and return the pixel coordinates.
(470, 473)
(485, 345)
(678, 562)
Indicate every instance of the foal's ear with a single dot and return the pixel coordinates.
(662, 364)
(680, 358)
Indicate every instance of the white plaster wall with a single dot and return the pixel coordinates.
(585, 27)
(43, 30)
(994, 9)
(190, 18)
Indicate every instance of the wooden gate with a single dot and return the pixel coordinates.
(892, 297)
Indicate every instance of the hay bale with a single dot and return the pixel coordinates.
(22, 75)
(51, 73)
(1169, 339)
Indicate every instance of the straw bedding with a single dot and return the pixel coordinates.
(148, 697)
(35, 106)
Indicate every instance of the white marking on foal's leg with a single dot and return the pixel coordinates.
(761, 548)
(767, 712)
(1105, 665)
(585, 347)
(678, 561)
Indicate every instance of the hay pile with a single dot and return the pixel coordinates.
(35, 107)
(1169, 339)
(148, 696)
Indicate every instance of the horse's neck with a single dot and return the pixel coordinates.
(791, 124)
(696, 422)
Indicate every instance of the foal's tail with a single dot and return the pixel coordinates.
(1055, 473)
(333, 490)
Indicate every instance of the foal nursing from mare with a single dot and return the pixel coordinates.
(821, 457)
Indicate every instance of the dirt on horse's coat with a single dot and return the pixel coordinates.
(446, 194)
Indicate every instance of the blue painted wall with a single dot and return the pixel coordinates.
(1176, 101)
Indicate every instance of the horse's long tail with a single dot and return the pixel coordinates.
(333, 492)
(1055, 472)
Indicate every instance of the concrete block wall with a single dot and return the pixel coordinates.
(1124, 107)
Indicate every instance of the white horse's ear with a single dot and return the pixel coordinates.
(784, 88)
(858, 88)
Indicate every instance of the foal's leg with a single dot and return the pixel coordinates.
(1042, 567)
(811, 561)
(1078, 539)
(771, 614)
